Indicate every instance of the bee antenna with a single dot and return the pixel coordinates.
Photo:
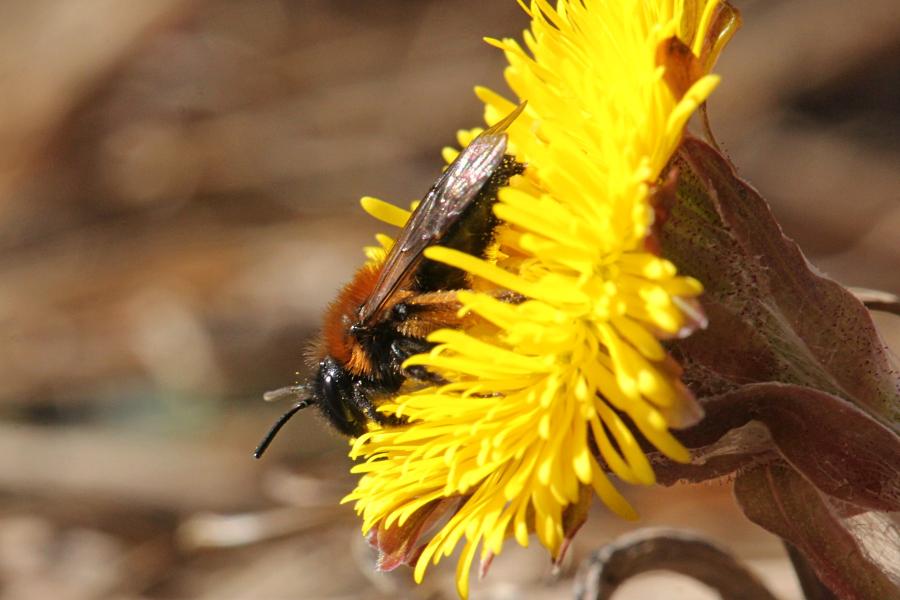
(276, 427)
(285, 392)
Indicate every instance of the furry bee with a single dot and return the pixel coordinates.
(384, 315)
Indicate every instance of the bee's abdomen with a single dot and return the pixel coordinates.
(472, 233)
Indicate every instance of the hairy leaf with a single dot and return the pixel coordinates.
(398, 544)
(772, 317)
(779, 499)
(843, 451)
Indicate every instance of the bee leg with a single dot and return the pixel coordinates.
(364, 403)
(403, 348)
(420, 373)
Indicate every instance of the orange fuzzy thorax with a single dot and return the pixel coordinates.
(344, 312)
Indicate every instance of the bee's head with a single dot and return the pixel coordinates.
(332, 390)
(339, 398)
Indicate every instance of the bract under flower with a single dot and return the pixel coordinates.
(543, 393)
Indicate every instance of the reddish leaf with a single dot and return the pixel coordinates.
(574, 517)
(779, 499)
(669, 472)
(682, 68)
(398, 544)
(838, 447)
(723, 24)
(662, 198)
(772, 318)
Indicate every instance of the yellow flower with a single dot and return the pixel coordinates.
(542, 391)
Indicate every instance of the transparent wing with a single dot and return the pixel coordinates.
(445, 202)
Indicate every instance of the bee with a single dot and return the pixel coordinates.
(384, 315)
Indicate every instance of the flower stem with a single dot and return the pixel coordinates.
(653, 549)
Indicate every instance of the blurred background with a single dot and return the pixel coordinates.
(179, 185)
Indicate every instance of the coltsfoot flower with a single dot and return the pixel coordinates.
(545, 392)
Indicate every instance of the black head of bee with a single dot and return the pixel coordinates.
(336, 392)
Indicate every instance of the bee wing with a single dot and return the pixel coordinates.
(445, 202)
